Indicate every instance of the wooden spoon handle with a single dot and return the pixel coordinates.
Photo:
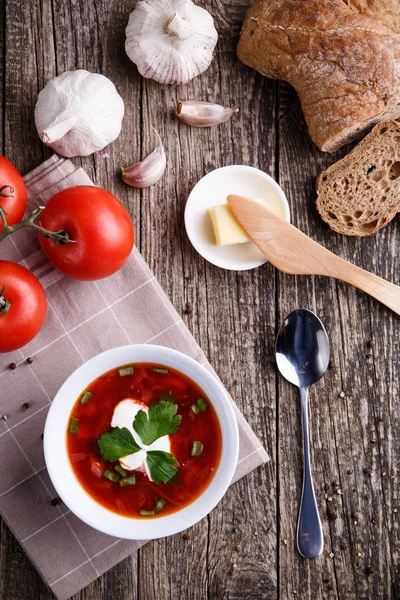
(382, 290)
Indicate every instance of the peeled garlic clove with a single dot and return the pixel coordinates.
(204, 114)
(170, 41)
(148, 171)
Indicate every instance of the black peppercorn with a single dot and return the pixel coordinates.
(26, 405)
(29, 360)
(12, 366)
(54, 502)
(332, 514)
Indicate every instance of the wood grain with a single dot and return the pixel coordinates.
(351, 445)
(245, 549)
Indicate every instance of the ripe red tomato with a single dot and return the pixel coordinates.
(100, 226)
(23, 306)
(12, 193)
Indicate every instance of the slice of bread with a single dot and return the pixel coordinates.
(360, 193)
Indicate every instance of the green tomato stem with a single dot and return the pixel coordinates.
(3, 193)
(4, 304)
(58, 237)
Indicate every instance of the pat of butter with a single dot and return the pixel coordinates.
(227, 230)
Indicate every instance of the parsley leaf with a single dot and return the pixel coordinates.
(118, 443)
(162, 420)
(160, 465)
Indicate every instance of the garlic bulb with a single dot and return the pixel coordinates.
(171, 41)
(148, 171)
(78, 113)
(203, 114)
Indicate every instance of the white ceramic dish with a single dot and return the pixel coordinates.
(73, 494)
(213, 189)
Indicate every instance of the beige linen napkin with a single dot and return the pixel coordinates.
(84, 318)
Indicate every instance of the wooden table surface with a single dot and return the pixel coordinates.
(246, 548)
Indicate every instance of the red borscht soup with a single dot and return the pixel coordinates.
(144, 440)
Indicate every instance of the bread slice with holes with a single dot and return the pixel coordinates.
(360, 193)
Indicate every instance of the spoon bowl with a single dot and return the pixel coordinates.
(302, 356)
(302, 348)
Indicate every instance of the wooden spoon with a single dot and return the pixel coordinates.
(291, 251)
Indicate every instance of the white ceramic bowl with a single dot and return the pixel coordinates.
(73, 494)
(212, 190)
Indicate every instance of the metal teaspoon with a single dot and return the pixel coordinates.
(302, 356)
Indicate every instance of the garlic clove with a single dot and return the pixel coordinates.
(204, 114)
(148, 171)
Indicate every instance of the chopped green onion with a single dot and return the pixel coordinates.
(147, 513)
(202, 404)
(111, 476)
(121, 471)
(86, 397)
(160, 504)
(127, 481)
(162, 371)
(197, 448)
(195, 409)
(73, 426)
(125, 371)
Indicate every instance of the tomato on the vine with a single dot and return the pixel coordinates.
(23, 306)
(12, 193)
(99, 227)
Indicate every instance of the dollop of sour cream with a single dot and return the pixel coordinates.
(124, 415)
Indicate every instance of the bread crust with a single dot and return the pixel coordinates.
(360, 194)
(342, 57)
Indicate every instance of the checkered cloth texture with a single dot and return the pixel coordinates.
(84, 318)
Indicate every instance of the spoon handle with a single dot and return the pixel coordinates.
(310, 541)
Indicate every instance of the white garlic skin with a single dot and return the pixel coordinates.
(78, 113)
(170, 41)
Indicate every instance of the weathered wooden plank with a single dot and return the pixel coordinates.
(2, 70)
(347, 440)
(27, 46)
(29, 63)
(244, 346)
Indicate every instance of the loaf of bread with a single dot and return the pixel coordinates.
(361, 192)
(342, 57)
